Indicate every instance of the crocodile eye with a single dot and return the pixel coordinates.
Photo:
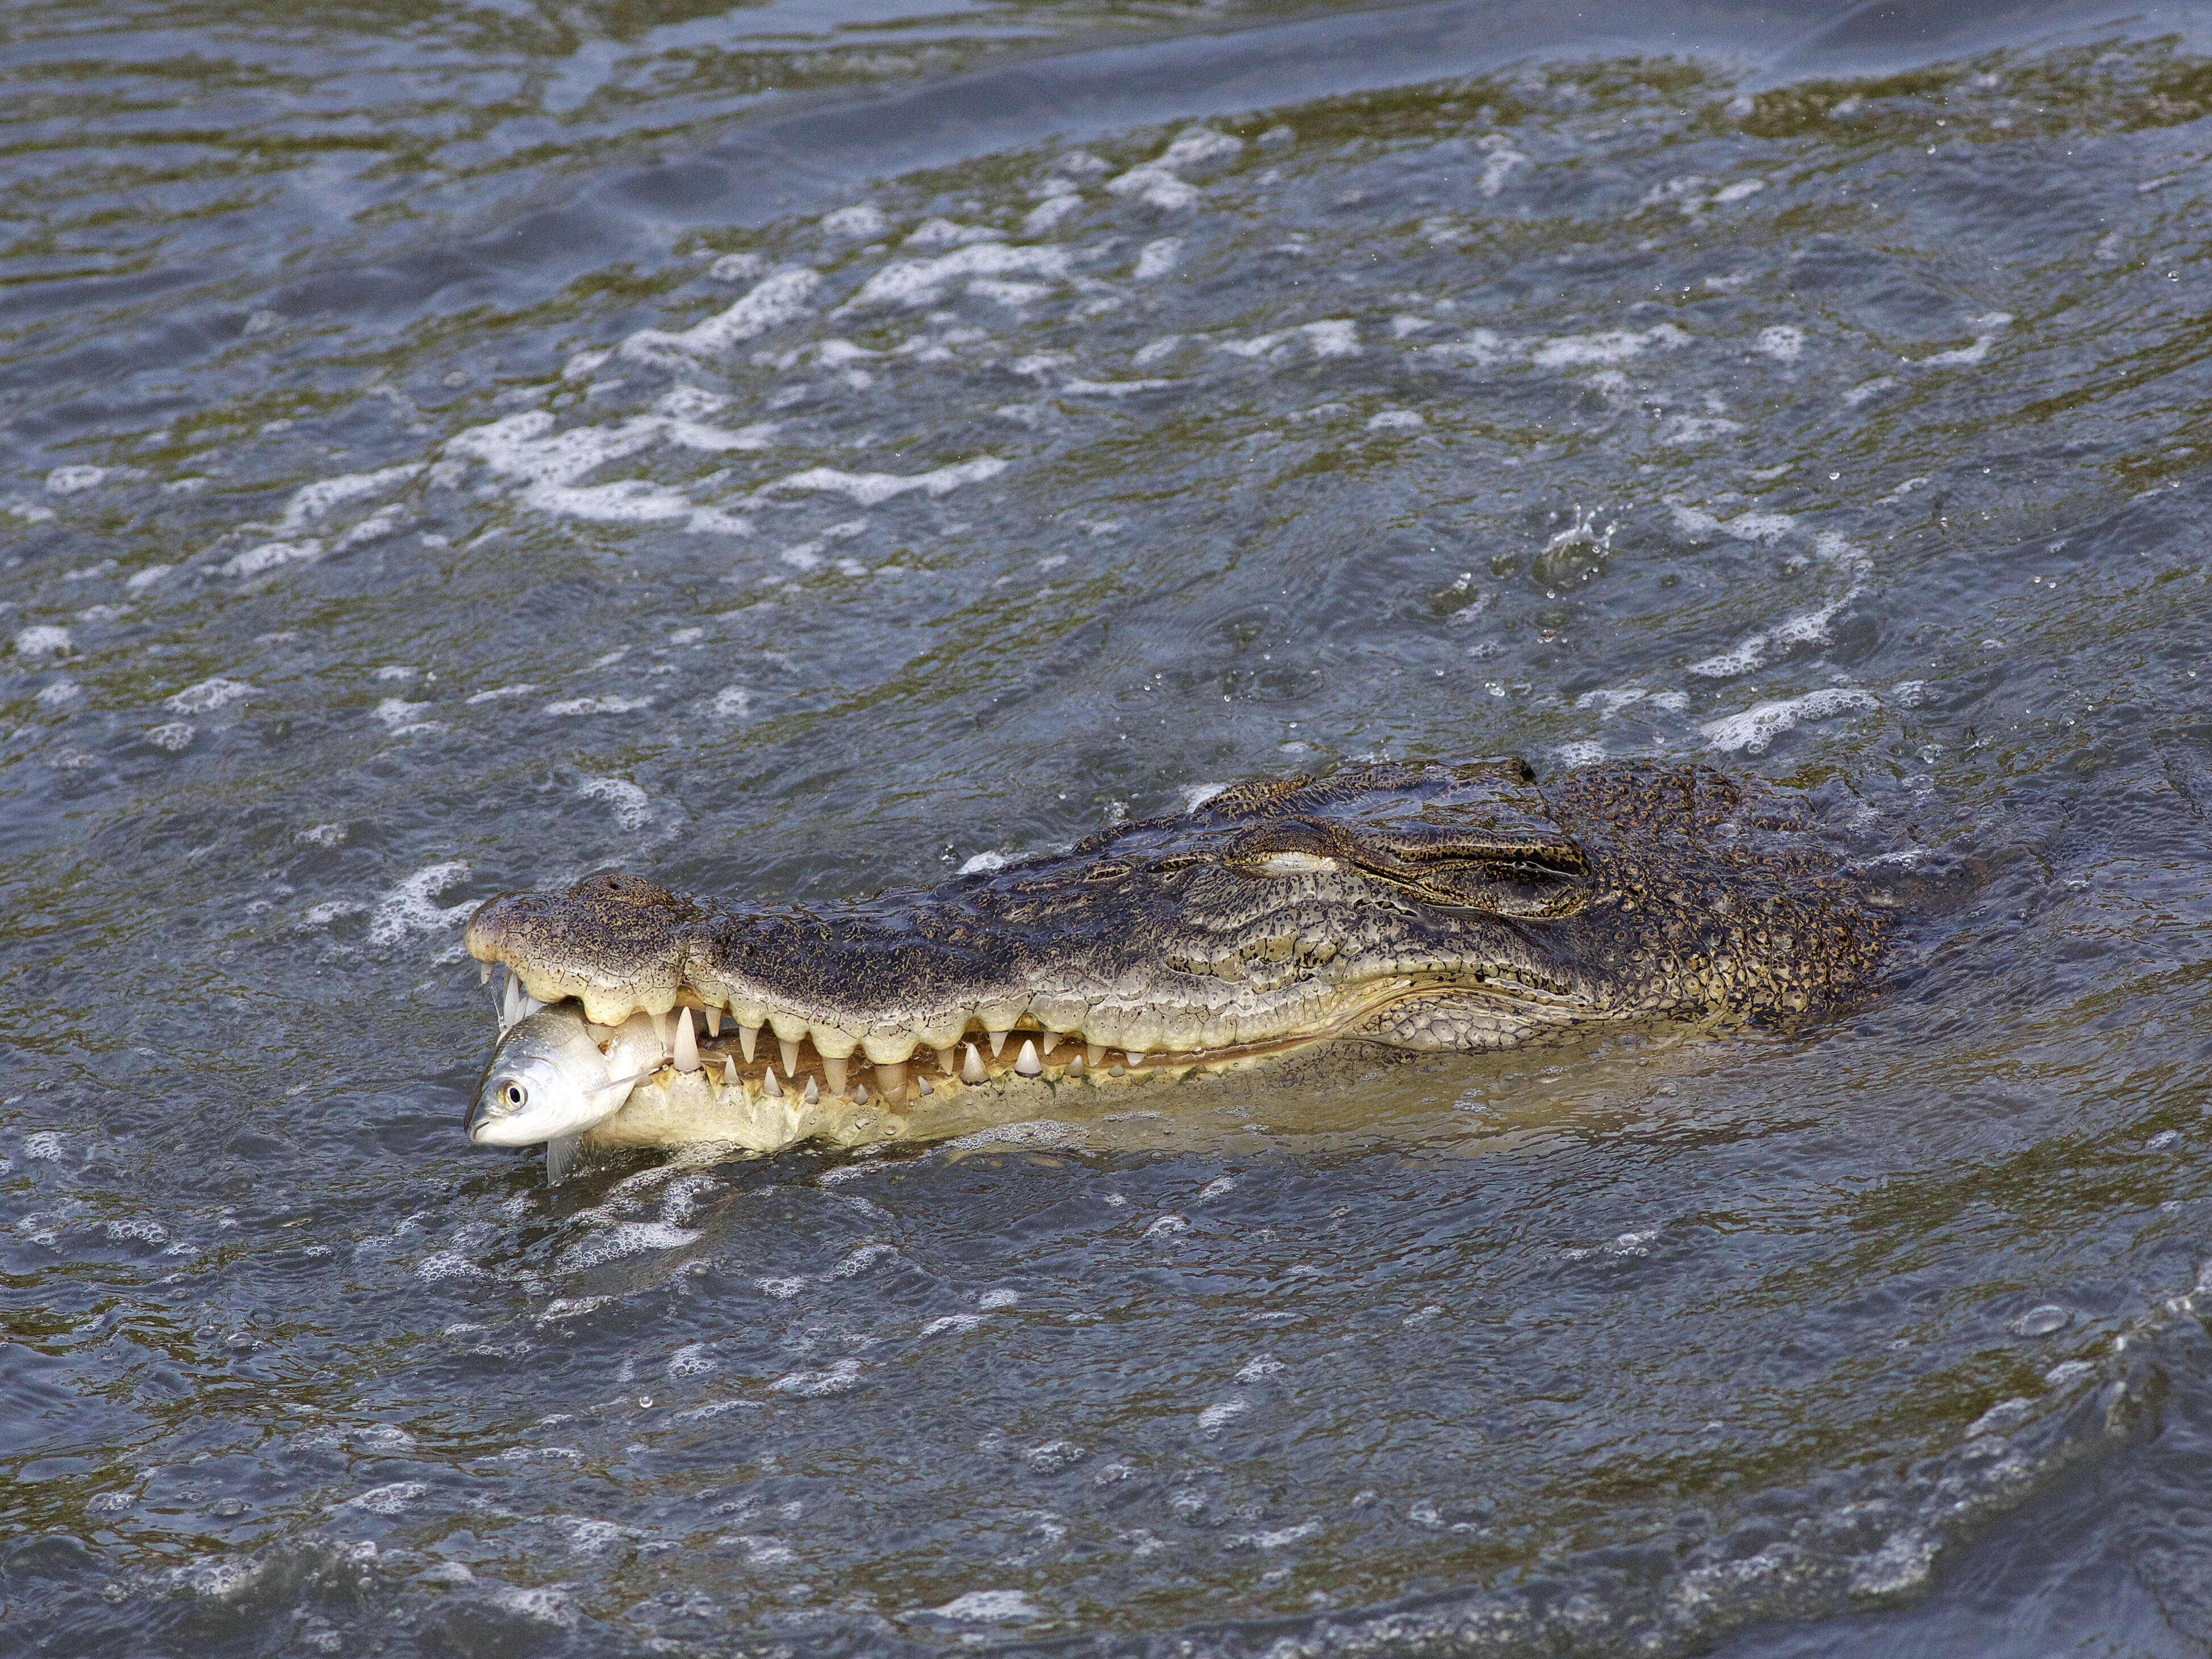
(515, 1095)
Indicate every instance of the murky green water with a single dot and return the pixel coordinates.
(795, 451)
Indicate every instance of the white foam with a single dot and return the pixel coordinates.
(1500, 161)
(1157, 259)
(872, 489)
(782, 1289)
(1013, 295)
(1395, 420)
(70, 480)
(1782, 343)
(1050, 212)
(625, 797)
(44, 641)
(976, 863)
(139, 580)
(209, 696)
(942, 233)
(859, 1261)
(500, 692)
(548, 463)
(624, 1238)
(1866, 389)
(448, 1264)
(1000, 1298)
(398, 717)
(1757, 726)
(389, 1499)
(407, 908)
(861, 219)
(175, 735)
(692, 1359)
(60, 694)
(1573, 755)
(774, 302)
(270, 555)
(732, 702)
(840, 1378)
(1614, 346)
(955, 1322)
(549, 1604)
(311, 502)
(1158, 181)
(46, 1146)
(919, 281)
(1034, 1131)
(1221, 1413)
(1110, 388)
(988, 1607)
(1991, 324)
(570, 706)
(1681, 429)
(1333, 336)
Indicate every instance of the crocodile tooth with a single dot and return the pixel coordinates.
(860, 1095)
(790, 1046)
(713, 1021)
(926, 1089)
(769, 1087)
(1029, 1065)
(1094, 1054)
(730, 1078)
(1116, 1070)
(686, 1049)
(813, 1095)
(834, 1070)
(949, 1058)
(971, 1070)
(1136, 1057)
(1075, 1066)
(890, 1078)
(998, 1041)
(748, 1035)
(484, 973)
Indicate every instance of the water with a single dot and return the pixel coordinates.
(798, 450)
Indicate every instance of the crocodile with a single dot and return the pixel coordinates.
(1400, 906)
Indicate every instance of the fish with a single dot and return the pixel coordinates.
(548, 1081)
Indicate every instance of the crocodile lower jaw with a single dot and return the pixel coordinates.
(676, 1108)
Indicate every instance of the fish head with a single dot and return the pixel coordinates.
(547, 1079)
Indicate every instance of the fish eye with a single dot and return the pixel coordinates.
(515, 1094)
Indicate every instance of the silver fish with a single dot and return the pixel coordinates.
(548, 1081)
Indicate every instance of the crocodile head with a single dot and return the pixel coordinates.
(1419, 906)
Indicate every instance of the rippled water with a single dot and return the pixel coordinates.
(794, 450)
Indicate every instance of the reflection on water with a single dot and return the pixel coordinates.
(412, 493)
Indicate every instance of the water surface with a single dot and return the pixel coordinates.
(798, 449)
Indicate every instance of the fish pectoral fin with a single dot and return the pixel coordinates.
(560, 1157)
